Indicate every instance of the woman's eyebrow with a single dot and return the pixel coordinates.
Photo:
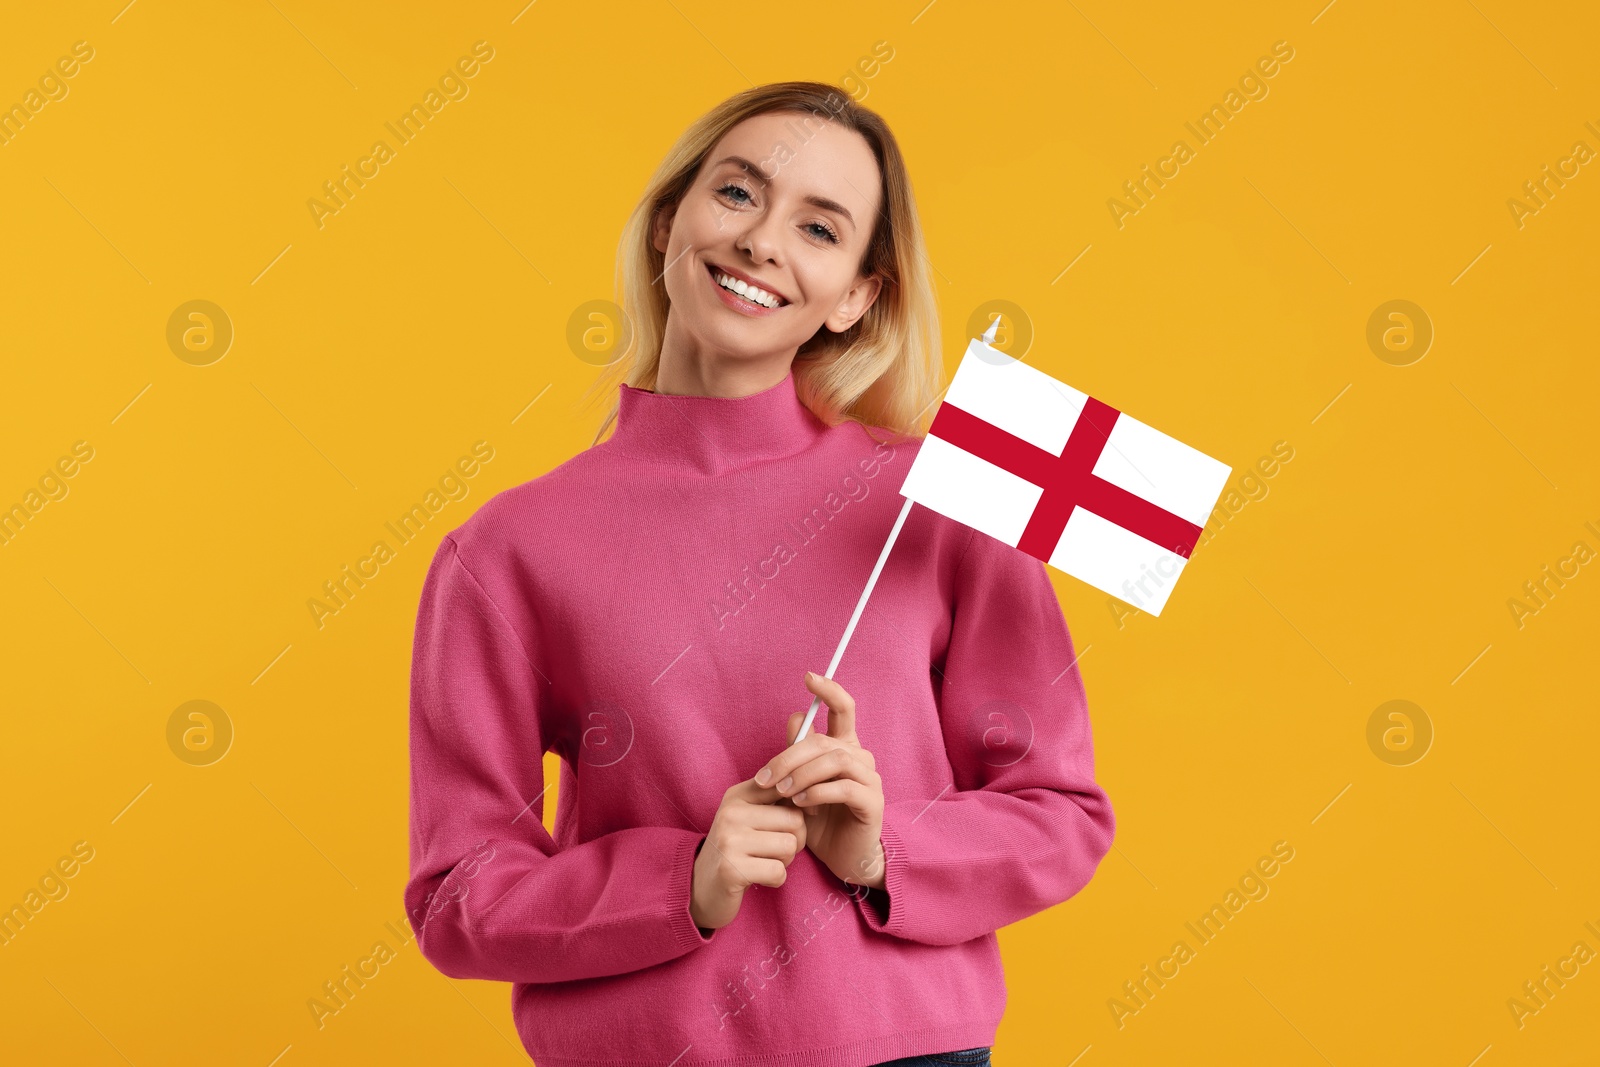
(816, 201)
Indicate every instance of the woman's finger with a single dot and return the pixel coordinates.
(861, 799)
(773, 845)
(774, 817)
(783, 764)
(841, 706)
(836, 763)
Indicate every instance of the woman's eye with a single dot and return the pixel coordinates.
(827, 233)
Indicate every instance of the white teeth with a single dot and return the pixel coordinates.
(749, 292)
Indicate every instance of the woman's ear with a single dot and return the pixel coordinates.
(857, 300)
(661, 228)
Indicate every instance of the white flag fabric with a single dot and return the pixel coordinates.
(1033, 462)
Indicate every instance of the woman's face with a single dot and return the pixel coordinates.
(787, 201)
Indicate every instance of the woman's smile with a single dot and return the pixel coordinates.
(747, 305)
(795, 223)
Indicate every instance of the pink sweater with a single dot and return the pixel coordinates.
(647, 610)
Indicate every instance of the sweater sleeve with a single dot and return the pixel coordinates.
(1025, 824)
(490, 896)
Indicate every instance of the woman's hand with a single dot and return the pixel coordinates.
(834, 782)
(752, 841)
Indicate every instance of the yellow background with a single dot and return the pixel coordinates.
(1231, 311)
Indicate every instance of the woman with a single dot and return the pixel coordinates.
(649, 608)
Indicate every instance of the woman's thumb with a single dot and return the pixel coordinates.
(794, 725)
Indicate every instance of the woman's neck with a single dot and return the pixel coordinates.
(688, 368)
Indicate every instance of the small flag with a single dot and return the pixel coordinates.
(1069, 479)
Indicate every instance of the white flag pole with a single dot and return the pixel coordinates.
(861, 604)
(838, 653)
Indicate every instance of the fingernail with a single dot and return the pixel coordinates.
(800, 796)
(783, 786)
(763, 776)
(810, 675)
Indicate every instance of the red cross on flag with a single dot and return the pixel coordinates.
(1064, 477)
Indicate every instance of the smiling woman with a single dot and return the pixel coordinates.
(784, 337)
(800, 192)
(806, 247)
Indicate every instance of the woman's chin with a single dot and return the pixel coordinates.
(745, 338)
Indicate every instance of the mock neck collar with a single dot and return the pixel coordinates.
(714, 434)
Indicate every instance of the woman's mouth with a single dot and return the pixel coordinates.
(743, 297)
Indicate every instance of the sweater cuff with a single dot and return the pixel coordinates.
(688, 935)
(885, 909)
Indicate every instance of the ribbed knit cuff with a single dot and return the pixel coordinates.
(681, 881)
(885, 909)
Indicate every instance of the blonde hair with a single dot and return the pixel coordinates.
(885, 370)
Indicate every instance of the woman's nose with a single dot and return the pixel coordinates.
(760, 240)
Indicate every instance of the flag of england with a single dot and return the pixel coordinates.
(1050, 470)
